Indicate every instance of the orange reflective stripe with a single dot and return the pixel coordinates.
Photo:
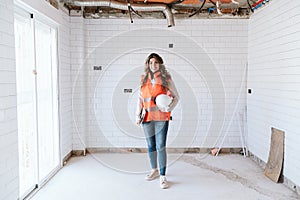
(152, 109)
(148, 99)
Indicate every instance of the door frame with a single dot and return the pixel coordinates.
(21, 9)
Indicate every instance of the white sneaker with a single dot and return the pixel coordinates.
(154, 174)
(163, 182)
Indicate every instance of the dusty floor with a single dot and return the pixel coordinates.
(113, 176)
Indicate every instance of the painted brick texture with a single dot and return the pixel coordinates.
(274, 71)
(9, 171)
(207, 62)
(65, 86)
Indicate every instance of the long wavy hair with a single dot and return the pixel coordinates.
(165, 75)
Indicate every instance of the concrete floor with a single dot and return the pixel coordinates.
(114, 176)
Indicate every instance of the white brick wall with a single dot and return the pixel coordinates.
(65, 86)
(9, 168)
(274, 74)
(9, 171)
(77, 53)
(207, 63)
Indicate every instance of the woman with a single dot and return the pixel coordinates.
(156, 81)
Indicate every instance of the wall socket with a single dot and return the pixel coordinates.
(127, 90)
(97, 67)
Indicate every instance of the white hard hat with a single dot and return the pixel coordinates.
(163, 101)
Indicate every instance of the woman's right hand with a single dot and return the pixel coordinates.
(138, 123)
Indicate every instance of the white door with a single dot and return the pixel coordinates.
(47, 119)
(36, 69)
(24, 43)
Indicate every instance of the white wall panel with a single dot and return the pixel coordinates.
(207, 62)
(274, 77)
(9, 164)
(65, 86)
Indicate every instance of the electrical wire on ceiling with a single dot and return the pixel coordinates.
(130, 10)
(169, 8)
(197, 11)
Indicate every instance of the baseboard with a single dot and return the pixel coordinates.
(257, 160)
(169, 150)
(79, 152)
(285, 181)
(66, 158)
(291, 185)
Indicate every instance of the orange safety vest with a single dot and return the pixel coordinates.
(148, 93)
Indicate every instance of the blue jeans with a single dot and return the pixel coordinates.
(156, 137)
